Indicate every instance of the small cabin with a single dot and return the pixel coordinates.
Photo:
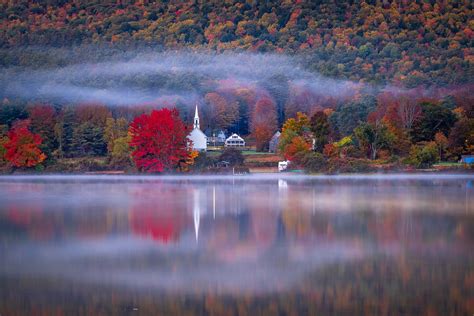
(467, 159)
(274, 142)
(234, 140)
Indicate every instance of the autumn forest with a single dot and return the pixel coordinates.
(352, 85)
(237, 157)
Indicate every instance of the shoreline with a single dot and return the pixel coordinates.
(252, 171)
(251, 176)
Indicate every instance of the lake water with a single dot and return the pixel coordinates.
(244, 245)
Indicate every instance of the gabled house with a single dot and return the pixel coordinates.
(234, 141)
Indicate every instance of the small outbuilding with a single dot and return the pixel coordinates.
(273, 145)
(234, 141)
(467, 159)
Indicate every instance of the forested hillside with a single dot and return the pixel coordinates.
(347, 83)
(404, 42)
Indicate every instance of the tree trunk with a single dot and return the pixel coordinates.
(373, 151)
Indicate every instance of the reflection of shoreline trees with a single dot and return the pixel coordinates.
(378, 257)
(254, 213)
(379, 286)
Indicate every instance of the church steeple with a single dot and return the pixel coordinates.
(196, 118)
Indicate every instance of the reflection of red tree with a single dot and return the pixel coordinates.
(158, 226)
(19, 217)
(160, 217)
(32, 219)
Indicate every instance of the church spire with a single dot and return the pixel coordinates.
(196, 118)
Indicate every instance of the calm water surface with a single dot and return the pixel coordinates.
(269, 245)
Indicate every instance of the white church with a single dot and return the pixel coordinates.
(198, 138)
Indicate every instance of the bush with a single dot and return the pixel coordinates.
(312, 162)
(347, 165)
(91, 164)
(423, 155)
(241, 170)
(233, 156)
(202, 162)
(78, 165)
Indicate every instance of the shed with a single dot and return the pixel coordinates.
(469, 159)
(274, 142)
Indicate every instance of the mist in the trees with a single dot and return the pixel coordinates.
(143, 77)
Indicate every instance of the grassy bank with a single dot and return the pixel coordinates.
(253, 162)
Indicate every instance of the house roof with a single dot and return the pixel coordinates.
(234, 137)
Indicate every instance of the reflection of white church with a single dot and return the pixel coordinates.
(198, 138)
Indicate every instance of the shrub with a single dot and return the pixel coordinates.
(344, 147)
(330, 150)
(311, 161)
(423, 155)
(241, 170)
(202, 162)
(90, 164)
(297, 145)
(233, 156)
(348, 165)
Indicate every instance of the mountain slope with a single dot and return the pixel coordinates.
(406, 42)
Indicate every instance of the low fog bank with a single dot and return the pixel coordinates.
(144, 76)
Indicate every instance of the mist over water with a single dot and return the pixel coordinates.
(222, 234)
(143, 77)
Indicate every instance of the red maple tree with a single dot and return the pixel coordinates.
(22, 149)
(159, 140)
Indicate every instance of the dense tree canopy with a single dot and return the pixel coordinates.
(412, 42)
(406, 65)
(436, 118)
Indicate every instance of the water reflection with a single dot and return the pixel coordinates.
(377, 245)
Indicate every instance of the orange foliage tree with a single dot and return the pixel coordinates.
(22, 148)
(264, 122)
(298, 145)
